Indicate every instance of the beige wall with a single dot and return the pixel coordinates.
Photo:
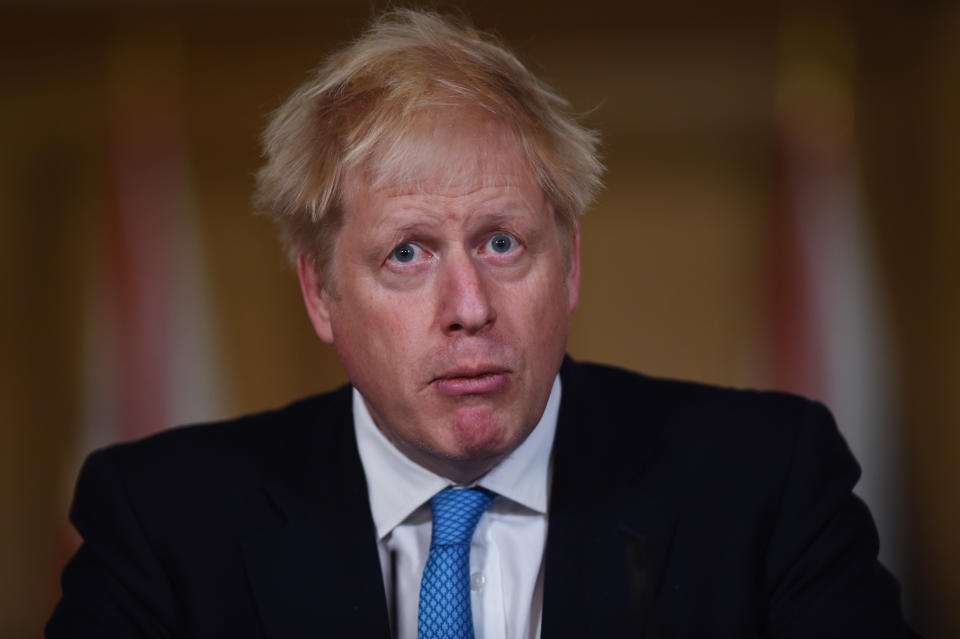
(673, 252)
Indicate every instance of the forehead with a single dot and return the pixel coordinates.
(454, 151)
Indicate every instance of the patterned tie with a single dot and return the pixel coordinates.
(445, 588)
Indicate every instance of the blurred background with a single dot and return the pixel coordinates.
(781, 211)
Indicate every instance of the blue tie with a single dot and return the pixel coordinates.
(445, 588)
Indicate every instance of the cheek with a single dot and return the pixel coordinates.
(551, 322)
(548, 299)
(378, 331)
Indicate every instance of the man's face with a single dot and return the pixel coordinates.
(451, 303)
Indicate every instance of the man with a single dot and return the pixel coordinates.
(471, 481)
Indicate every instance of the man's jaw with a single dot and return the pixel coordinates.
(475, 458)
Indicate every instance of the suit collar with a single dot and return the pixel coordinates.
(610, 523)
(323, 546)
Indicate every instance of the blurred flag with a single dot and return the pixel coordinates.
(149, 350)
(826, 317)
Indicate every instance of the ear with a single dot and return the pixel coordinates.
(315, 298)
(573, 275)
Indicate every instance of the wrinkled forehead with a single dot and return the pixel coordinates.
(450, 150)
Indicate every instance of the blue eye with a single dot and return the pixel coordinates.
(406, 252)
(501, 243)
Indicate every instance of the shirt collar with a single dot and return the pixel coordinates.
(398, 486)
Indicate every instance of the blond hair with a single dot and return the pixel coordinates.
(367, 99)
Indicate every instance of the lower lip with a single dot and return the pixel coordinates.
(478, 385)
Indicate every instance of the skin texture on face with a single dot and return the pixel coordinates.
(452, 302)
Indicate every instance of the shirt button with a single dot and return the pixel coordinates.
(477, 581)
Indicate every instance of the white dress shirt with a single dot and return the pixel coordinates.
(506, 554)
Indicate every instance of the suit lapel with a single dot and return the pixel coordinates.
(610, 526)
(317, 572)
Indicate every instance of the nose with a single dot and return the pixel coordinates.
(465, 303)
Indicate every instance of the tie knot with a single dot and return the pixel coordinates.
(456, 512)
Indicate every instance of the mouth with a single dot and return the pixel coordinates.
(471, 381)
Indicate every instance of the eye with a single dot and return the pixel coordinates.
(501, 243)
(406, 253)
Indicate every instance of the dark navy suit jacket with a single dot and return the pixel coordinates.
(676, 510)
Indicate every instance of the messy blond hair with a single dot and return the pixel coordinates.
(366, 100)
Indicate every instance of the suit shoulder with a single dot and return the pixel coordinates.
(717, 444)
(679, 408)
(614, 383)
(234, 448)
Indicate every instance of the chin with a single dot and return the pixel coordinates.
(479, 433)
